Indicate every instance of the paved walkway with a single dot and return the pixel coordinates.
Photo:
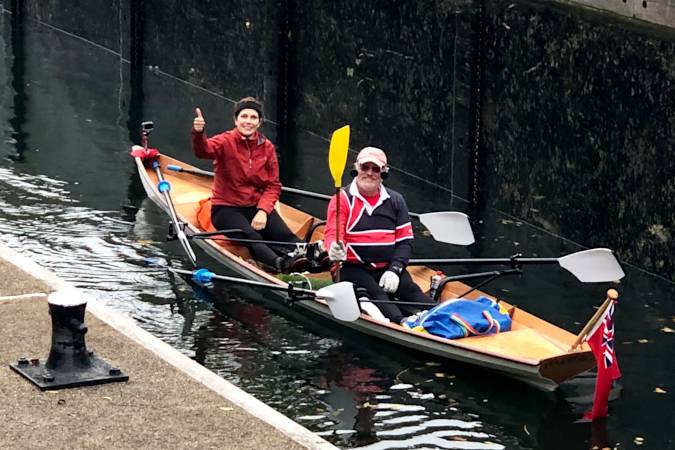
(169, 402)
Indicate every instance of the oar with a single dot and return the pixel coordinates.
(450, 227)
(164, 187)
(596, 265)
(249, 241)
(337, 160)
(221, 235)
(339, 297)
(206, 173)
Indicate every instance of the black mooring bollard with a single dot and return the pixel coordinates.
(69, 363)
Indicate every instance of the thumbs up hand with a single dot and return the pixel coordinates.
(199, 122)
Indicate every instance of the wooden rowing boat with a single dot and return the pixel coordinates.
(534, 351)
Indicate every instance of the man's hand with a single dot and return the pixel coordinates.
(199, 122)
(337, 252)
(259, 220)
(389, 281)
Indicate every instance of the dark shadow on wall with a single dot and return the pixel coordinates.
(18, 70)
(136, 192)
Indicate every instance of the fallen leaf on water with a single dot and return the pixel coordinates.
(667, 330)
(639, 440)
(643, 341)
(226, 408)
(433, 363)
(440, 375)
(526, 430)
(658, 390)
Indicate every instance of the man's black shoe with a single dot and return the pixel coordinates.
(289, 264)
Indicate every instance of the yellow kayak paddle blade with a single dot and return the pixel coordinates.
(337, 154)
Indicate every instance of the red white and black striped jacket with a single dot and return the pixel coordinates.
(377, 236)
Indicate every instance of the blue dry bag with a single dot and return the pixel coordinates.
(462, 318)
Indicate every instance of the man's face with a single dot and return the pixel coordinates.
(247, 122)
(368, 178)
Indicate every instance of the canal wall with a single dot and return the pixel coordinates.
(549, 113)
(659, 12)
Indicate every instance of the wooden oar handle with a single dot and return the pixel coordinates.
(337, 230)
(612, 296)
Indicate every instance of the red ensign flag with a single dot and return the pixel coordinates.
(601, 340)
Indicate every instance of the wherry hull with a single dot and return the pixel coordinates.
(535, 352)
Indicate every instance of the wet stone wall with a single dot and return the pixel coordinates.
(399, 72)
(576, 108)
(580, 129)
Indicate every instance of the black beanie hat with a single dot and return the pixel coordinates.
(248, 102)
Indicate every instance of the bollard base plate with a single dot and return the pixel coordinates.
(99, 372)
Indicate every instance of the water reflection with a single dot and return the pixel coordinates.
(354, 395)
(62, 206)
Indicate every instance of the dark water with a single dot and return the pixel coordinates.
(65, 174)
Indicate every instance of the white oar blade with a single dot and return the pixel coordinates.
(451, 227)
(596, 265)
(341, 301)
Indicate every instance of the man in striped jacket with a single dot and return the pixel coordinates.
(375, 235)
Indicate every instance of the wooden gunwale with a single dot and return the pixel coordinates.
(535, 351)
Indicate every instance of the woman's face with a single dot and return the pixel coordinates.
(247, 122)
(368, 178)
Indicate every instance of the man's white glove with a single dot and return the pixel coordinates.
(389, 281)
(337, 252)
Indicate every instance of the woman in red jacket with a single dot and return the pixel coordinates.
(246, 184)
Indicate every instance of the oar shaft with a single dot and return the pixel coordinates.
(288, 189)
(485, 261)
(291, 190)
(394, 302)
(174, 217)
(235, 280)
(612, 296)
(210, 234)
(217, 232)
(201, 172)
(306, 193)
(249, 241)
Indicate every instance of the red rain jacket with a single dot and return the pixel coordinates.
(247, 171)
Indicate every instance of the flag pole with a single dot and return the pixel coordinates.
(612, 296)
